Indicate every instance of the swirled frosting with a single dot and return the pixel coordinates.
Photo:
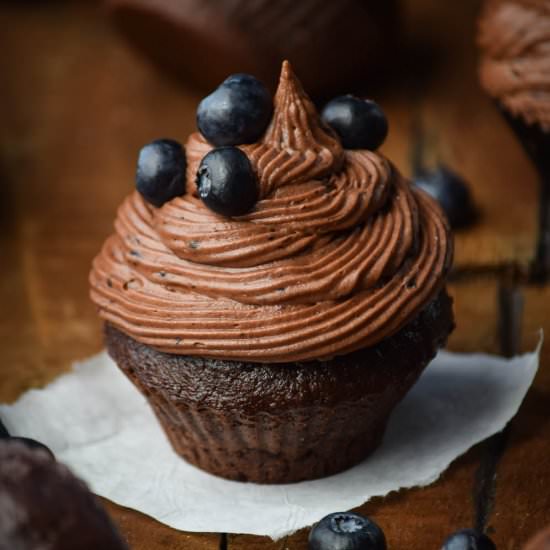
(339, 253)
(514, 36)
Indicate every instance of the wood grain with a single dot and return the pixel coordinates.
(144, 533)
(75, 106)
(522, 503)
(439, 89)
(422, 518)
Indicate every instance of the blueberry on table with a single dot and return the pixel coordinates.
(31, 444)
(346, 531)
(237, 112)
(226, 182)
(450, 191)
(360, 123)
(468, 539)
(160, 172)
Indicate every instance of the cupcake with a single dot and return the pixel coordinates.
(331, 44)
(278, 302)
(515, 65)
(43, 505)
(514, 38)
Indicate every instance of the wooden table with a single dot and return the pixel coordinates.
(75, 106)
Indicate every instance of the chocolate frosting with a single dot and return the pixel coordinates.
(339, 253)
(514, 36)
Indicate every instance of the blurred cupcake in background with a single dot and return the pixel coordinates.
(514, 38)
(333, 45)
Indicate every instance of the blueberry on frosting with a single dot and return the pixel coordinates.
(226, 182)
(237, 112)
(160, 172)
(337, 226)
(360, 123)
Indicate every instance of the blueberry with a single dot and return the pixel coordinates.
(360, 123)
(237, 112)
(468, 539)
(160, 172)
(450, 191)
(346, 531)
(226, 182)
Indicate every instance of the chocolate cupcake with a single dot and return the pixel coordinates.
(514, 37)
(43, 505)
(273, 344)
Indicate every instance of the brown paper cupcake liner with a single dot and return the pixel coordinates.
(272, 448)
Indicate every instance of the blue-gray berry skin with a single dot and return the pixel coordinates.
(346, 531)
(235, 113)
(226, 182)
(451, 192)
(160, 174)
(359, 123)
(468, 539)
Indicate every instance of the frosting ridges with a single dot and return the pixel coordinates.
(339, 253)
(514, 36)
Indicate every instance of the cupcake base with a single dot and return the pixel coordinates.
(281, 423)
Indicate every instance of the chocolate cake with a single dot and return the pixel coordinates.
(337, 408)
(273, 344)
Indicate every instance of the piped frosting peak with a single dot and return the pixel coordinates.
(303, 143)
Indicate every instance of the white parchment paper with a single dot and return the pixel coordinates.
(96, 422)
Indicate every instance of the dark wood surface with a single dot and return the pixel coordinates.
(75, 106)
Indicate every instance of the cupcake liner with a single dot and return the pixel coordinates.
(278, 448)
(281, 423)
